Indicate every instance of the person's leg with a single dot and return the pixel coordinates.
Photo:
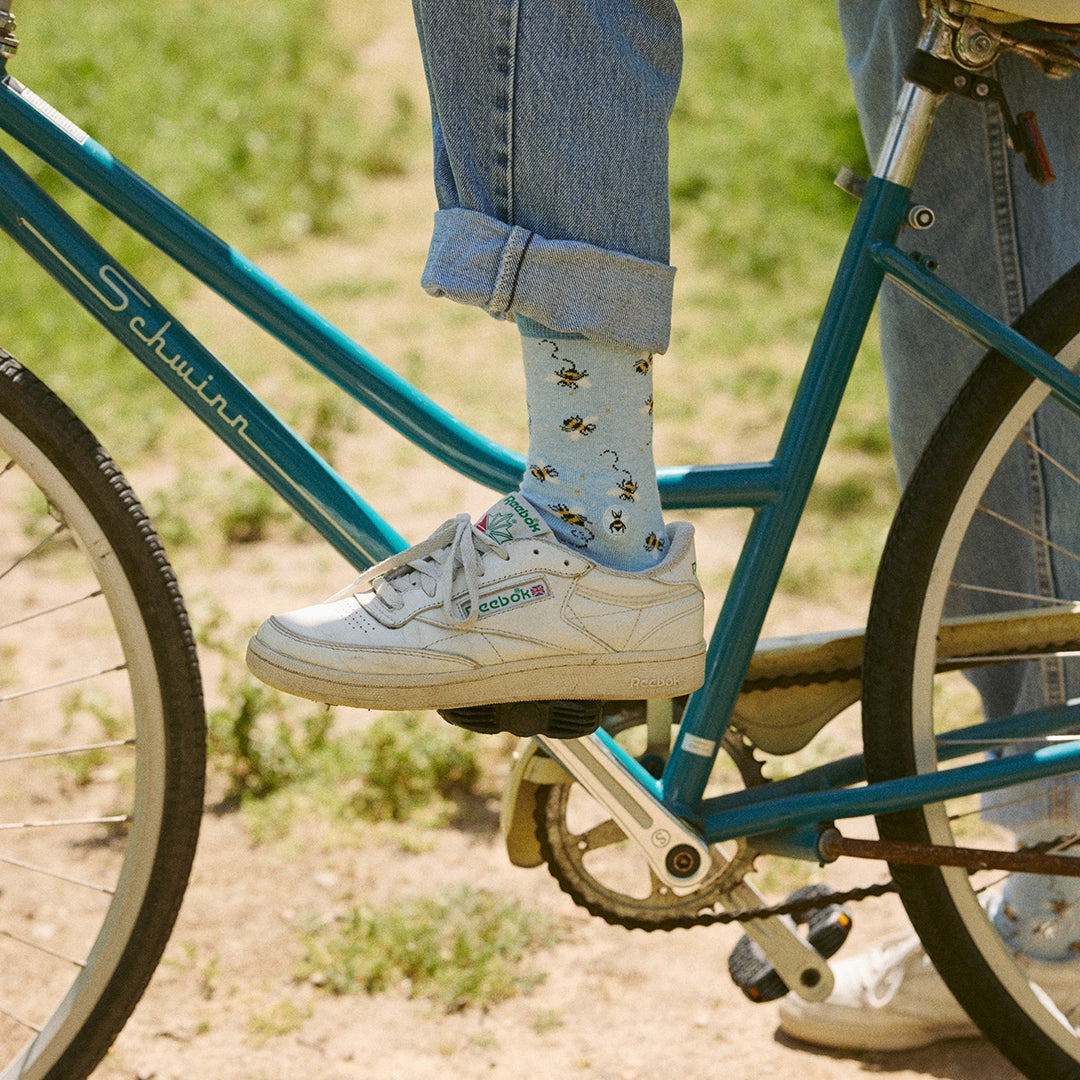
(1001, 239)
(549, 121)
(549, 128)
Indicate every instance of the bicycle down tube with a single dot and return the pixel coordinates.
(775, 490)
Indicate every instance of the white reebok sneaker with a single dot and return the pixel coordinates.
(496, 611)
(892, 998)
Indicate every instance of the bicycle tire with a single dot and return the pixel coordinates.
(925, 574)
(102, 744)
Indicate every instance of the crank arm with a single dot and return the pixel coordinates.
(678, 855)
(804, 970)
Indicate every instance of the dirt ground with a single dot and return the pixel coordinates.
(615, 1004)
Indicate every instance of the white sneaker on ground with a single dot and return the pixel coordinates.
(892, 998)
(491, 612)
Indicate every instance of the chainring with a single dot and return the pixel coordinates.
(604, 872)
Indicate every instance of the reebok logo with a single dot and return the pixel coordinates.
(659, 683)
(523, 512)
(501, 526)
(505, 599)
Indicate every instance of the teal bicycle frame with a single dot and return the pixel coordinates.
(775, 490)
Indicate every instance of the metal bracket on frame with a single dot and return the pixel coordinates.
(943, 76)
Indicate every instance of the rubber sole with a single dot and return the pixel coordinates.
(619, 677)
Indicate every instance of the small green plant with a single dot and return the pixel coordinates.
(250, 509)
(252, 738)
(282, 1018)
(466, 949)
(404, 764)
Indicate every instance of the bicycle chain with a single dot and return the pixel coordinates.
(800, 907)
(704, 918)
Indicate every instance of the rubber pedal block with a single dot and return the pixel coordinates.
(555, 719)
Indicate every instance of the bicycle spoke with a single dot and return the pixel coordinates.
(71, 681)
(8, 861)
(116, 819)
(1048, 458)
(1023, 530)
(20, 1021)
(1006, 593)
(33, 551)
(62, 751)
(38, 947)
(52, 610)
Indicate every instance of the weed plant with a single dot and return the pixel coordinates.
(256, 740)
(468, 948)
(403, 767)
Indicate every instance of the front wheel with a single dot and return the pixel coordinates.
(102, 741)
(975, 618)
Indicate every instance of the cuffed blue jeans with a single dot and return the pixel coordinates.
(549, 120)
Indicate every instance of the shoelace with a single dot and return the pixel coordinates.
(432, 565)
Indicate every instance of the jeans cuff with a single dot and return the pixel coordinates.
(577, 288)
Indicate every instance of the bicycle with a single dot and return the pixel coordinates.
(79, 550)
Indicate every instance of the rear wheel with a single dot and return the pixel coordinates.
(975, 614)
(102, 741)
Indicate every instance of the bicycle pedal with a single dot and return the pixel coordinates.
(555, 719)
(827, 928)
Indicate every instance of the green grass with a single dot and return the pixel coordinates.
(764, 120)
(467, 949)
(234, 109)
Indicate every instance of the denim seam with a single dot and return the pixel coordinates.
(1015, 302)
(504, 104)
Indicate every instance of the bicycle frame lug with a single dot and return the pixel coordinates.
(975, 44)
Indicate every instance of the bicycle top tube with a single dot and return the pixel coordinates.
(64, 146)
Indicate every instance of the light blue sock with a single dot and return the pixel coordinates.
(590, 466)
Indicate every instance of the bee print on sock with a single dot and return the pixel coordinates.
(565, 373)
(544, 474)
(654, 542)
(616, 524)
(643, 364)
(579, 427)
(626, 487)
(578, 524)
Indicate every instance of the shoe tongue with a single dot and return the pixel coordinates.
(512, 518)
